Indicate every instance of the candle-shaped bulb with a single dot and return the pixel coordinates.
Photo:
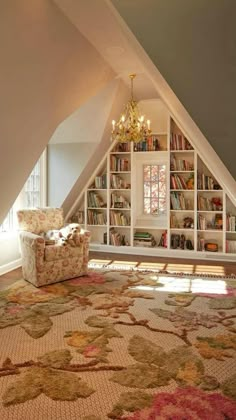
(123, 118)
(148, 124)
(113, 125)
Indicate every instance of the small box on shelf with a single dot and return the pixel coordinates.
(206, 242)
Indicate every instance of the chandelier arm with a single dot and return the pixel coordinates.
(131, 126)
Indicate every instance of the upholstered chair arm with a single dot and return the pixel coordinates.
(32, 245)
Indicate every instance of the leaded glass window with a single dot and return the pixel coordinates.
(154, 189)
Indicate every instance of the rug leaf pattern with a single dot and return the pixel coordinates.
(162, 354)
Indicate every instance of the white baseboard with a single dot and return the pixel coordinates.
(10, 266)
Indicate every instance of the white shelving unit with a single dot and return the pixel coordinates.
(200, 219)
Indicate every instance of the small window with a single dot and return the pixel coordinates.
(32, 195)
(154, 189)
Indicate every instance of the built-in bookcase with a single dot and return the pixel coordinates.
(196, 218)
(230, 227)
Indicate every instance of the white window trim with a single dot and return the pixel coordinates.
(19, 202)
(140, 217)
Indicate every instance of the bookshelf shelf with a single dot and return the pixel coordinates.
(211, 230)
(96, 208)
(181, 172)
(119, 153)
(182, 151)
(182, 211)
(96, 225)
(210, 211)
(97, 189)
(120, 226)
(179, 189)
(199, 217)
(181, 229)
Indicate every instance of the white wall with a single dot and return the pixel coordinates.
(48, 69)
(74, 142)
(65, 163)
(9, 253)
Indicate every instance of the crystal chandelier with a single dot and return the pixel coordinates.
(131, 125)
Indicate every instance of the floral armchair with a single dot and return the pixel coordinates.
(45, 264)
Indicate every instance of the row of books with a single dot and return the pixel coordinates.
(231, 223)
(122, 147)
(95, 200)
(117, 182)
(209, 204)
(119, 201)
(205, 182)
(230, 246)
(97, 217)
(78, 217)
(179, 142)
(118, 164)
(180, 164)
(100, 182)
(118, 218)
(116, 238)
(151, 144)
(180, 202)
(179, 182)
(204, 223)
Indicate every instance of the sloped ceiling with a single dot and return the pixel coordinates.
(48, 69)
(193, 45)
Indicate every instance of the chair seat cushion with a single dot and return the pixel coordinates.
(59, 252)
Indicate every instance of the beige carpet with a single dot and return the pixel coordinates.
(123, 344)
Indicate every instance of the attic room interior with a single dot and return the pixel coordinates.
(118, 121)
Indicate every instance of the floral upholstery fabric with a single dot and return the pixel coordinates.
(45, 264)
(57, 252)
(40, 220)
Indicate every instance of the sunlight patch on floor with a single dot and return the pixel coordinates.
(122, 265)
(97, 263)
(180, 268)
(152, 266)
(186, 285)
(209, 269)
(209, 286)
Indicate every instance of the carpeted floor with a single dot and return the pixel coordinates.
(121, 344)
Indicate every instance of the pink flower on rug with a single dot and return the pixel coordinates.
(187, 403)
(91, 351)
(229, 292)
(90, 278)
(13, 310)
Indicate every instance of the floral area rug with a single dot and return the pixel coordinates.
(122, 344)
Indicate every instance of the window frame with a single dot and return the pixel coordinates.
(21, 201)
(141, 219)
(152, 182)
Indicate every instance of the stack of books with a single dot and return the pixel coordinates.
(144, 239)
